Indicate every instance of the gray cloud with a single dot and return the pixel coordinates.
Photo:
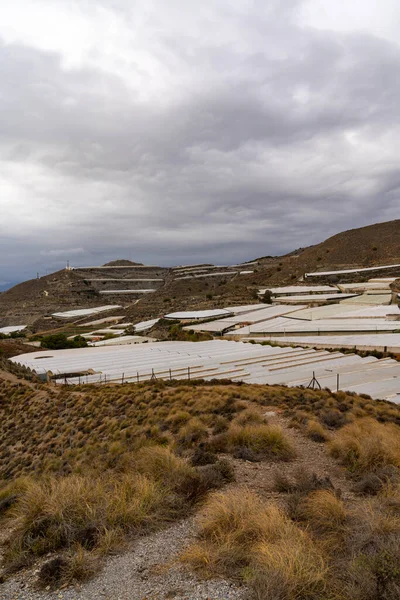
(193, 133)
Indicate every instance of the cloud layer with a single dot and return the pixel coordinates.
(172, 132)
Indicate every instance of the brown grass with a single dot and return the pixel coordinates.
(316, 431)
(265, 441)
(94, 513)
(367, 445)
(324, 511)
(245, 538)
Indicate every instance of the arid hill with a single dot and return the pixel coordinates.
(31, 300)
(377, 244)
(121, 263)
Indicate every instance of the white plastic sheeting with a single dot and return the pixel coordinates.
(300, 289)
(219, 360)
(369, 299)
(346, 271)
(144, 325)
(348, 311)
(286, 325)
(147, 291)
(267, 313)
(198, 314)
(385, 342)
(123, 340)
(12, 329)
(82, 312)
(313, 298)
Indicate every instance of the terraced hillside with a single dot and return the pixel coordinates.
(149, 291)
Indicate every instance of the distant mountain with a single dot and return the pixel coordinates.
(122, 263)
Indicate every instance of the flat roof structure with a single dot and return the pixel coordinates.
(368, 286)
(123, 279)
(107, 331)
(302, 298)
(384, 342)
(144, 325)
(220, 274)
(237, 310)
(124, 340)
(192, 315)
(237, 361)
(292, 290)
(147, 291)
(348, 311)
(82, 312)
(368, 299)
(268, 312)
(287, 325)
(115, 267)
(383, 279)
(12, 329)
(101, 321)
(218, 326)
(348, 271)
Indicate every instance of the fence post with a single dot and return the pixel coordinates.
(137, 375)
(337, 382)
(170, 375)
(123, 377)
(188, 373)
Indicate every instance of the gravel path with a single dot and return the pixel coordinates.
(149, 571)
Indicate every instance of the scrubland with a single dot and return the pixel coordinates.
(85, 470)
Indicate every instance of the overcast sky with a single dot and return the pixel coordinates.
(179, 131)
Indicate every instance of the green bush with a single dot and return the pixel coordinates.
(58, 341)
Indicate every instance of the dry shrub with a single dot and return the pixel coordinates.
(367, 445)
(373, 483)
(243, 537)
(265, 441)
(373, 570)
(135, 502)
(201, 456)
(76, 566)
(193, 432)
(249, 416)
(161, 464)
(324, 511)
(333, 418)
(282, 483)
(292, 569)
(316, 432)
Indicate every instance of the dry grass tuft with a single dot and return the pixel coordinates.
(367, 445)
(242, 537)
(264, 441)
(316, 432)
(324, 511)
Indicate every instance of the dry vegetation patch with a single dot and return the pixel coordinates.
(245, 538)
(367, 445)
(84, 468)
